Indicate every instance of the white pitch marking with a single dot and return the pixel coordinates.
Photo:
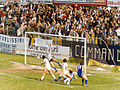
(54, 83)
(59, 84)
(114, 78)
(33, 79)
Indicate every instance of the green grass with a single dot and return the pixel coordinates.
(98, 80)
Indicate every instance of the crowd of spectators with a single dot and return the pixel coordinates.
(79, 21)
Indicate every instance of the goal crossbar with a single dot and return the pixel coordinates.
(54, 35)
(43, 34)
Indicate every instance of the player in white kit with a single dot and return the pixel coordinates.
(47, 68)
(65, 72)
(51, 59)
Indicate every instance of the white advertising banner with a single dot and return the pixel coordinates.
(8, 44)
(59, 52)
(40, 46)
(5, 48)
(113, 3)
(39, 41)
(82, 1)
(11, 40)
(3, 1)
(70, 1)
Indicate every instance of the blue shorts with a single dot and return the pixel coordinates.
(80, 75)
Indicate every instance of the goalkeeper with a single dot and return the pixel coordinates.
(80, 73)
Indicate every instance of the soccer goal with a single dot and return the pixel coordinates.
(60, 47)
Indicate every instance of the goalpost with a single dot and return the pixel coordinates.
(59, 50)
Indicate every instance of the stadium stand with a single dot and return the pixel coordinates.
(73, 20)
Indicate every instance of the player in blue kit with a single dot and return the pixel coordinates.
(80, 70)
(72, 74)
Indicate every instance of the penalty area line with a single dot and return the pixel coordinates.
(34, 80)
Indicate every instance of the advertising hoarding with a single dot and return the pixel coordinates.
(98, 52)
(82, 2)
(113, 3)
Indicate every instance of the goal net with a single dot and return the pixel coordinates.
(60, 47)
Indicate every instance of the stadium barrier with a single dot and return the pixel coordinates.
(16, 45)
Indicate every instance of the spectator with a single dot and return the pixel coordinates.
(89, 22)
(118, 33)
(2, 27)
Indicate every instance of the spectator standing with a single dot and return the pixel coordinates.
(118, 33)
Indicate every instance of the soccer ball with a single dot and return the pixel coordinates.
(38, 56)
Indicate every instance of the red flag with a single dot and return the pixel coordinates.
(3, 14)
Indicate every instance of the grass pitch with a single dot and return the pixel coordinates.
(21, 77)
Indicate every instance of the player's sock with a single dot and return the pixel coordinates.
(55, 68)
(58, 63)
(59, 78)
(82, 81)
(86, 82)
(42, 77)
(65, 78)
(68, 81)
(53, 76)
(72, 78)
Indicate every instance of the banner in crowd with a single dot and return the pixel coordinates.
(82, 2)
(44, 1)
(100, 52)
(69, 1)
(20, 1)
(113, 3)
(3, 1)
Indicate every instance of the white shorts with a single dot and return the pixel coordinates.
(65, 73)
(48, 68)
